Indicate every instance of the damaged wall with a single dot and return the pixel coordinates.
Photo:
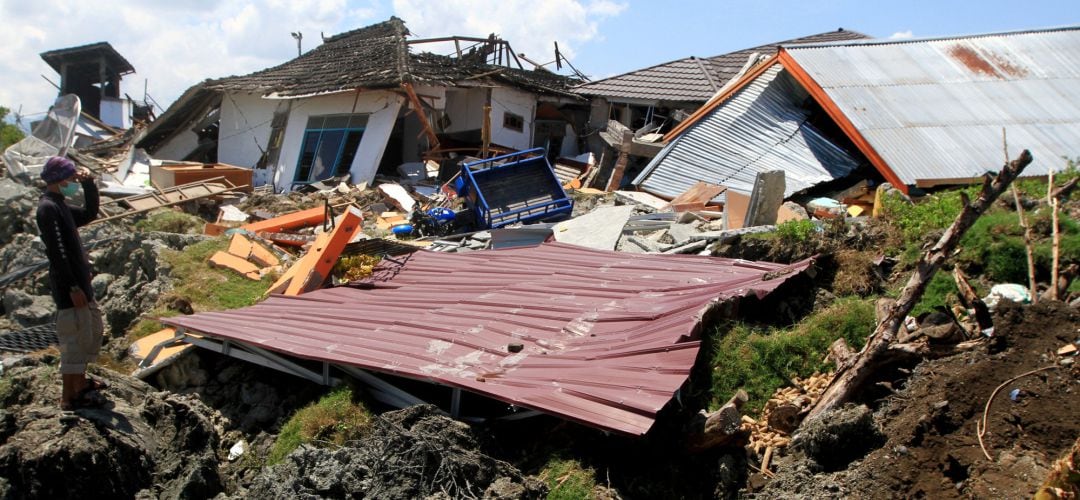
(380, 106)
(244, 129)
(523, 104)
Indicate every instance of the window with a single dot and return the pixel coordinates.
(513, 122)
(329, 146)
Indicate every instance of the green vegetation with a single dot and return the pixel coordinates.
(333, 420)
(171, 221)
(9, 133)
(761, 360)
(207, 288)
(568, 480)
(796, 231)
(937, 293)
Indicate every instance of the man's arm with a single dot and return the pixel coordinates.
(91, 201)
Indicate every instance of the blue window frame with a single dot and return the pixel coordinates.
(329, 147)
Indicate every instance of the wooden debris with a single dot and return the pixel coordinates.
(226, 260)
(782, 412)
(698, 194)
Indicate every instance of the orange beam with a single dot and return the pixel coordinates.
(434, 139)
(302, 218)
(840, 118)
(323, 255)
(720, 99)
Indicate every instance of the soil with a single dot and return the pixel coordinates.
(932, 449)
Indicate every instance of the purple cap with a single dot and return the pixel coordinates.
(57, 169)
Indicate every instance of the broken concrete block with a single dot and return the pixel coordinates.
(599, 229)
(682, 233)
(765, 199)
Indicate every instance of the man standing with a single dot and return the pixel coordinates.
(79, 326)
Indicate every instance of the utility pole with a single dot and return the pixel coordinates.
(298, 36)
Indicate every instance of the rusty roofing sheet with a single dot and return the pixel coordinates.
(609, 337)
(935, 108)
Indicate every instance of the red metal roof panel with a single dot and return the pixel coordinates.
(608, 337)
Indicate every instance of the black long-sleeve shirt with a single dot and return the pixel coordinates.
(69, 266)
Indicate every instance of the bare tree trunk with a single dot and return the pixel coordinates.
(1027, 244)
(848, 381)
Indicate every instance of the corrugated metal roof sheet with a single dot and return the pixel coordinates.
(692, 79)
(609, 337)
(762, 127)
(935, 108)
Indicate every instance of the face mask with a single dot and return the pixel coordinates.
(70, 189)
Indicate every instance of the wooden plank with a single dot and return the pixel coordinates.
(252, 251)
(432, 138)
(735, 209)
(226, 260)
(294, 220)
(702, 193)
(323, 255)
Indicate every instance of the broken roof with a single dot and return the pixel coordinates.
(692, 79)
(931, 110)
(378, 56)
(608, 337)
(761, 127)
(88, 53)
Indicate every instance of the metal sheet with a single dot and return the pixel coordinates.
(935, 108)
(761, 128)
(608, 337)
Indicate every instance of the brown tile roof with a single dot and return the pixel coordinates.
(378, 56)
(693, 79)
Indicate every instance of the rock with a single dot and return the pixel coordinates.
(28, 310)
(410, 453)
(18, 204)
(140, 443)
(837, 438)
(100, 283)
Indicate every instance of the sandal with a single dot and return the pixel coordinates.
(93, 384)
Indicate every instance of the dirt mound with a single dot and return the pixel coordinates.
(932, 448)
(140, 443)
(411, 453)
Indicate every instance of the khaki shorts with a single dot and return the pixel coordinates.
(79, 331)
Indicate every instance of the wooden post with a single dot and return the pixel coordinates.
(850, 379)
(432, 138)
(620, 164)
(1027, 244)
(1056, 231)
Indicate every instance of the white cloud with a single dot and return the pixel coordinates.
(176, 43)
(531, 27)
(173, 44)
(901, 35)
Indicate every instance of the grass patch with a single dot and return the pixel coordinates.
(332, 420)
(568, 480)
(937, 293)
(207, 288)
(761, 360)
(171, 221)
(796, 231)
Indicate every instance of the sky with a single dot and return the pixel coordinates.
(174, 44)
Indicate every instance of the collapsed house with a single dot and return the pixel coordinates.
(922, 112)
(363, 102)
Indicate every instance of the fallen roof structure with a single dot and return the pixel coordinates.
(598, 337)
(923, 112)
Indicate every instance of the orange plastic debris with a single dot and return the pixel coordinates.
(312, 269)
(252, 251)
(229, 261)
(303, 218)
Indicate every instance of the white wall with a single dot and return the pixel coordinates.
(382, 109)
(178, 146)
(517, 102)
(244, 128)
(466, 109)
